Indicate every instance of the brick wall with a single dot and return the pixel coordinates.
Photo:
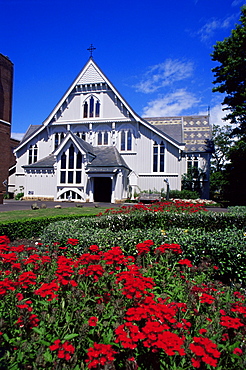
(6, 87)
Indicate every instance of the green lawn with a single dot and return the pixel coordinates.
(49, 212)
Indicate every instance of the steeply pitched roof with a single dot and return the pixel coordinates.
(30, 131)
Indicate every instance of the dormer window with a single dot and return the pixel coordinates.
(91, 107)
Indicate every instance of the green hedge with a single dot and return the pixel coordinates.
(206, 220)
(31, 227)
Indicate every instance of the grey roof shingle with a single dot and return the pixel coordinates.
(107, 157)
(47, 162)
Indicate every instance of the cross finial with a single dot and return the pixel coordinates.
(91, 49)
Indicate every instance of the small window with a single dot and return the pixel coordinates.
(105, 138)
(70, 177)
(79, 161)
(30, 155)
(71, 157)
(56, 140)
(63, 177)
(99, 138)
(155, 159)
(78, 177)
(63, 161)
(83, 136)
(123, 140)
(97, 109)
(129, 140)
(85, 110)
(91, 106)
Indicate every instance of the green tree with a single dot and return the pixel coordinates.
(230, 75)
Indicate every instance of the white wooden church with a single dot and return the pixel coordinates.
(93, 147)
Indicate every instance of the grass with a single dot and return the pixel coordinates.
(49, 212)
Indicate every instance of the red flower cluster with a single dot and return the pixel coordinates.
(100, 354)
(185, 262)
(93, 321)
(205, 350)
(135, 285)
(230, 322)
(47, 290)
(175, 248)
(64, 350)
(72, 241)
(144, 247)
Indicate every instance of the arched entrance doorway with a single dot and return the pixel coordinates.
(102, 189)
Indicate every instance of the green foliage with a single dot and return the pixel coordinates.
(193, 180)
(230, 75)
(184, 194)
(236, 174)
(18, 196)
(237, 210)
(149, 309)
(31, 227)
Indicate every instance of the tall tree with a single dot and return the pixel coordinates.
(230, 75)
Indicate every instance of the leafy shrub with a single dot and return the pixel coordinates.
(18, 196)
(31, 227)
(184, 194)
(237, 210)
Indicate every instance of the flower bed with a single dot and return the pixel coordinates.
(177, 205)
(106, 310)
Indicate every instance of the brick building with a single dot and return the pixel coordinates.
(7, 144)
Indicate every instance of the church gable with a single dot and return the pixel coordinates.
(91, 98)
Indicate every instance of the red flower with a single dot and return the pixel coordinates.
(94, 248)
(65, 350)
(128, 335)
(47, 290)
(185, 262)
(100, 354)
(175, 248)
(93, 321)
(230, 322)
(238, 351)
(206, 298)
(205, 350)
(72, 241)
(26, 279)
(202, 331)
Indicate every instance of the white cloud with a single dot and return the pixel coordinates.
(171, 104)
(208, 30)
(216, 115)
(237, 2)
(164, 74)
(17, 136)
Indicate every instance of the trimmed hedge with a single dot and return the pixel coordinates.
(206, 220)
(31, 227)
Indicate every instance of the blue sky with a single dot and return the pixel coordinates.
(156, 53)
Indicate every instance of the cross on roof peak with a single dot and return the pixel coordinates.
(91, 49)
